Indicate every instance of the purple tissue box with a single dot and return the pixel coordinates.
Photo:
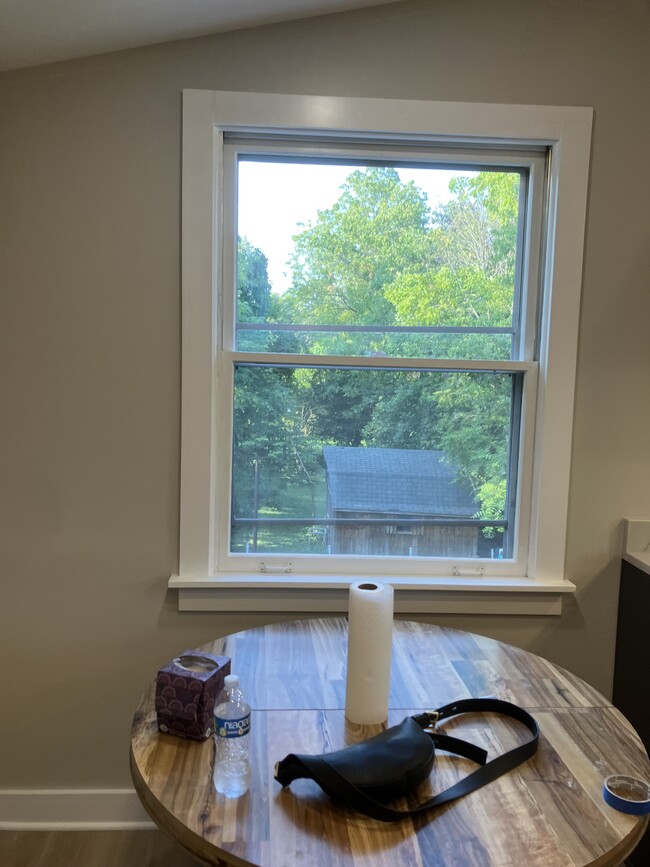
(186, 689)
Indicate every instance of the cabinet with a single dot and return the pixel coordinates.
(631, 695)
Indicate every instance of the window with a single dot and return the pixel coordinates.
(386, 388)
(375, 381)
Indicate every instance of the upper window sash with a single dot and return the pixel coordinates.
(531, 164)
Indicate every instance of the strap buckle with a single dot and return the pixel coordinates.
(432, 718)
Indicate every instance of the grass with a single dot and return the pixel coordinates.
(296, 503)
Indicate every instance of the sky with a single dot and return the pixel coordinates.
(275, 197)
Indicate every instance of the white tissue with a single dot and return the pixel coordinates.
(370, 636)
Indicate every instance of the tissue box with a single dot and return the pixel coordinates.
(186, 689)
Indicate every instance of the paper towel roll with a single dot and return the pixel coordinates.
(370, 636)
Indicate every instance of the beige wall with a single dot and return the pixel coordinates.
(89, 339)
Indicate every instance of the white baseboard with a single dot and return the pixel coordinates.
(72, 810)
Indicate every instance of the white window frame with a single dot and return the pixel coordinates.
(501, 587)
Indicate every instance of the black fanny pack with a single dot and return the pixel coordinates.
(385, 767)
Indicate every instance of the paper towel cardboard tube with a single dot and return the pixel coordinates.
(370, 635)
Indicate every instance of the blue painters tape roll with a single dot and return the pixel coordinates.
(627, 795)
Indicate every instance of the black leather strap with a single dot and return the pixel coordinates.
(339, 787)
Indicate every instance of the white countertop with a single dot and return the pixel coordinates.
(636, 543)
(641, 560)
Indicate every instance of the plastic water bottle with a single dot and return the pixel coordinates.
(232, 722)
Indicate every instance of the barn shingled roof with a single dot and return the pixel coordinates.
(395, 481)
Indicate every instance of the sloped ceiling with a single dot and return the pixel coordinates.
(33, 32)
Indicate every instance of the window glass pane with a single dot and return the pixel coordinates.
(411, 342)
(378, 259)
(372, 462)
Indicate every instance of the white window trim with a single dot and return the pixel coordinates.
(567, 132)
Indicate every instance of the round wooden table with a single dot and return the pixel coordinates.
(547, 813)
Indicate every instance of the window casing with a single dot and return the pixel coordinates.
(219, 130)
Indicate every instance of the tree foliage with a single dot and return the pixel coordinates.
(253, 285)
(341, 264)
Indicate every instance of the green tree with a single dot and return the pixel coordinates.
(473, 281)
(253, 284)
(267, 430)
(473, 285)
(341, 264)
(379, 256)
(479, 225)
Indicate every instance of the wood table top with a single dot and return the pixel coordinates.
(549, 812)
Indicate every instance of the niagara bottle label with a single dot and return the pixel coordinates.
(232, 728)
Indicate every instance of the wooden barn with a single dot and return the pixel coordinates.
(395, 488)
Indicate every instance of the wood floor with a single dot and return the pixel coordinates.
(91, 849)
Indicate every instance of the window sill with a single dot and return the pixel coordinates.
(327, 593)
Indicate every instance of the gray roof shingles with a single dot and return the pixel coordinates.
(395, 481)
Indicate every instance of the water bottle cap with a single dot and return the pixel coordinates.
(231, 681)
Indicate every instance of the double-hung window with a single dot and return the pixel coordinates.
(380, 307)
